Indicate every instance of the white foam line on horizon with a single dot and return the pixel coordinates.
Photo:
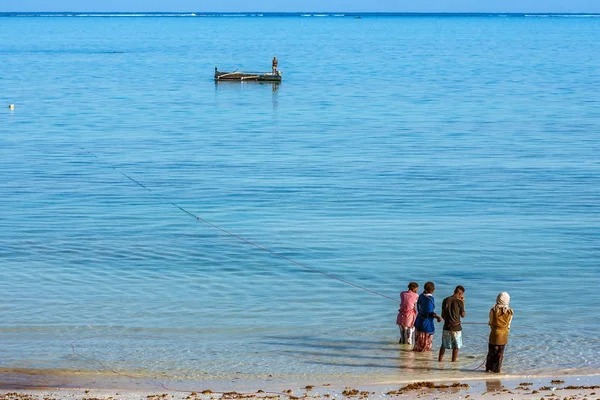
(109, 15)
(562, 15)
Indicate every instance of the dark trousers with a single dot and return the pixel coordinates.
(495, 356)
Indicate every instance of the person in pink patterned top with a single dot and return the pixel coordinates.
(407, 313)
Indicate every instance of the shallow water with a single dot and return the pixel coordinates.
(462, 150)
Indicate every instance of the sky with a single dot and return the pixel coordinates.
(518, 6)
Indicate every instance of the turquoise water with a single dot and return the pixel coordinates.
(457, 149)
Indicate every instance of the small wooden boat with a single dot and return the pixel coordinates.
(248, 76)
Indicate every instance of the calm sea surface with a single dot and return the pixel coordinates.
(458, 149)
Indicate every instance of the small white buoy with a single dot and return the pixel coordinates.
(11, 106)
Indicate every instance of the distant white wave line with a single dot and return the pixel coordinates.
(563, 15)
(322, 15)
(116, 15)
(228, 15)
(146, 15)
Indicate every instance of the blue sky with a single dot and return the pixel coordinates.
(560, 6)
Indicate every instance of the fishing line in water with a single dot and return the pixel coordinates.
(161, 384)
(244, 240)
(251, 243)
(104, 367)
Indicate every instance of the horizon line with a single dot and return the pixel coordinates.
(315, 12)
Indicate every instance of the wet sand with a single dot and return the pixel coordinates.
(488, 387)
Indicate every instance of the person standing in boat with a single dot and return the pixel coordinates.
(274, 65)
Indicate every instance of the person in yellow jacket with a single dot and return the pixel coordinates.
(500, 318)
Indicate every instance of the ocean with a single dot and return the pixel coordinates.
(161, 226)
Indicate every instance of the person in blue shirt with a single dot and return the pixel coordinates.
(424, 324)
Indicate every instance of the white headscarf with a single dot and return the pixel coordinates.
(502, 302)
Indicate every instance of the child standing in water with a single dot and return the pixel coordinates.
(407, 313)
(424, 326)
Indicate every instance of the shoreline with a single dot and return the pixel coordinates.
(23, 378)
(499, 386)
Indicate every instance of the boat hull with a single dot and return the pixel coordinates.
(247, 77)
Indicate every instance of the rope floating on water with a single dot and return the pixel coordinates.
(161, 384)
(251, 243)
(244, 240)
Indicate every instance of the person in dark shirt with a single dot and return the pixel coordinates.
(453, 309)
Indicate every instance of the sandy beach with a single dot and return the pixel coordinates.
(491, 386)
